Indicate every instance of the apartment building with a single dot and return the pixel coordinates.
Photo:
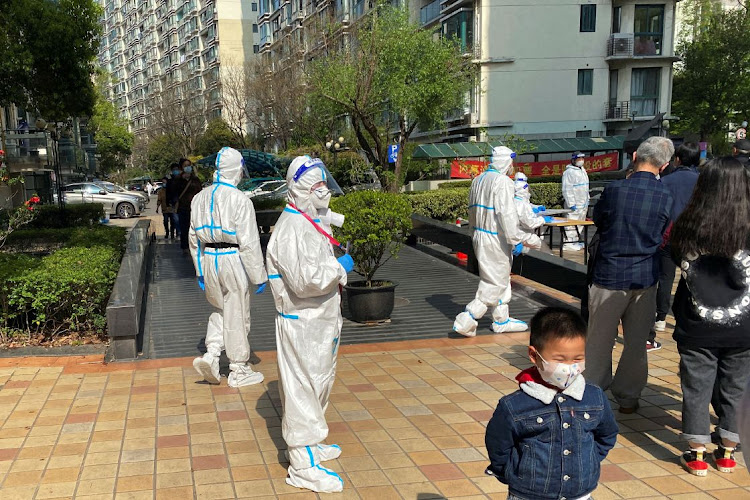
(167, 52)
(547, 68)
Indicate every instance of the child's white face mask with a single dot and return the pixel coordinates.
(560, 375)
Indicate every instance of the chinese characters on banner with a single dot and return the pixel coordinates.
(468, 169)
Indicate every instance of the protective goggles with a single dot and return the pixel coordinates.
(307, 166)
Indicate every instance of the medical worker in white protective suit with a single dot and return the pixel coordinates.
(225, 247)
(575, 190)
(496, 237)
(305, 278)
(529, 217)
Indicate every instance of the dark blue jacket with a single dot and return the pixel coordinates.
(550, 451)
(681, 183)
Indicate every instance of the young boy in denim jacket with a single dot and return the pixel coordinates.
(547, 439)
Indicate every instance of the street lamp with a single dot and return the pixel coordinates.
(665, 127)
(335, 148)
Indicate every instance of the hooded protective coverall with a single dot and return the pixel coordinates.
(225, 247)
(305, 277)
(528, 220)
(495, 233)
(575, 190)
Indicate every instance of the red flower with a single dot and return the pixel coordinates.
(34, 199)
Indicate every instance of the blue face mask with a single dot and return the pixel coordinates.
(175, 173)
(188, 169)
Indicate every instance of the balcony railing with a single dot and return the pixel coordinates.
(429, 12)
(619, 110)
(629, 45)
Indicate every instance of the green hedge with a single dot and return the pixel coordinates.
(62, 292)
(50, 216)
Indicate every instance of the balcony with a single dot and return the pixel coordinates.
(629, 46)
(617, 111)
(429, 12)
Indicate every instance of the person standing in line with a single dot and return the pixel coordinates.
(496, 238)
(225, 246)
(167, 210)
(681, 183)
(711, 244)
(172, 193)
(187, 187)
(575, 189)
(631, 217)
(741, 151)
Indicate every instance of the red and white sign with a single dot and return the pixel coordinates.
(468, 169)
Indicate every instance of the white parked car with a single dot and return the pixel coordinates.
(267, 188)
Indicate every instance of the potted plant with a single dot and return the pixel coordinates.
(376, 226)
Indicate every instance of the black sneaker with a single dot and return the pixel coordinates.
(653, 345)
(695, 462)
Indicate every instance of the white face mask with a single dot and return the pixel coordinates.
(560, 374)
(321, 197)
(579, 163)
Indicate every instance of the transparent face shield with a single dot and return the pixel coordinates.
(313, 163)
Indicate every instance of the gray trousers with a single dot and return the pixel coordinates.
(636, 310)
(699, 368)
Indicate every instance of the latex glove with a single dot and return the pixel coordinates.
(201, 283)
(517, 250)
(261, 288)
(346, 262)
(540, 208)
(548, 219)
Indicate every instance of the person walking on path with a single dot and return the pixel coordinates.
(187, 187)
(681, 183)
(167, 210)
(711, 244)
(631, 217)
(575, 189)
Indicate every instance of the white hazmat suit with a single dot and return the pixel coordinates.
(225, 247)
(528, 220)
(575, 190)
(305, 278)
(495, 235)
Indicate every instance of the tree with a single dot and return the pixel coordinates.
(394, 75)
(162, 151)
(113, 139)
(711, 85)
(178, 113)
(47, 55)
(217, 135)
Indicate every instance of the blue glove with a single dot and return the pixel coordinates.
(201, 283)
(574, 208)
(261, 288)
(346, 262)
(540, 208)
(517, 250)
(548, 219)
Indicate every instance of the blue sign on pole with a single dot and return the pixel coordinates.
(392, 153)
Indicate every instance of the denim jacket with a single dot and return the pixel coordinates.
(554, 450)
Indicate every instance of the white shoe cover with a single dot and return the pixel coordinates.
(465, 325)
(207, 367)
(328, 452)
(317, 478)
(573, 247)
(243, 375)
(509, 325)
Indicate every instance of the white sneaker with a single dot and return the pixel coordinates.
(509, 325)
(660, 326)
(243, 376)
(317, 478)
(328, 452)
(207, 367)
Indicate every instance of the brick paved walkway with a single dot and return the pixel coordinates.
(409, 416)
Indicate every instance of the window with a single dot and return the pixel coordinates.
(588, 18)
(583, 133)
(648, 29)
(616, 19)
(256, 49)
(585, 81)
(255, 28)
(461, 27)
(644, 91)
(255, 6)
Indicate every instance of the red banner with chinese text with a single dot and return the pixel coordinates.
(467, 169)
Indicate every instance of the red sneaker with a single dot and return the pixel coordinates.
(695, 461)
(724, 458)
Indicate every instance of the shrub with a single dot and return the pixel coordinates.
(376, 223)
(548, 194)
(442, 204)
(454, 185)
(49, 239)
(50, 216)
(67, 290)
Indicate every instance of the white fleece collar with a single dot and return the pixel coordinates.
(546, 394)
